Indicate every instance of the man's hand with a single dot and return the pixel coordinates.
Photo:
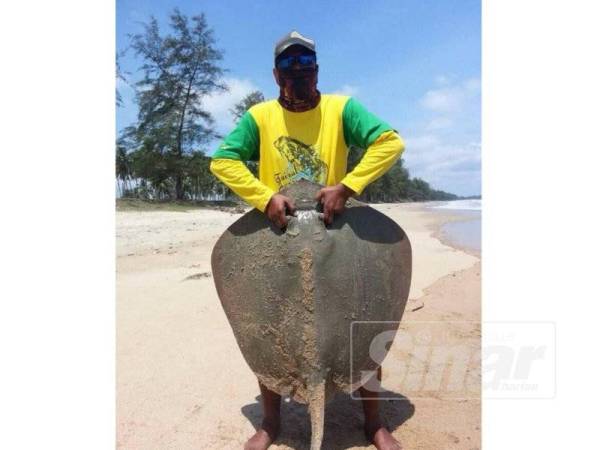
(277, 208)
(333, 199)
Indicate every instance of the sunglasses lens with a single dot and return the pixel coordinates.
(303, 60)
(285, 63)
(306, 60)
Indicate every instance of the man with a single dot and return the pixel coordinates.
(304, 134)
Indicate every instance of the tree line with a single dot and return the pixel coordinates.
(163, 155)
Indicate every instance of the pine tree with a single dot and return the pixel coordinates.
(180, 69)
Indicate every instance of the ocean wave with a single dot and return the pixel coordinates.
(469, 205)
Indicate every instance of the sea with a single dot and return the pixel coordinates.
(465, 233)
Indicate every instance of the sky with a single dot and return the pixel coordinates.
(415, 64)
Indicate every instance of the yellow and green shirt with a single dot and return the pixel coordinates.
(312, 144)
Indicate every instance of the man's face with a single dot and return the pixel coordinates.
(296, 69)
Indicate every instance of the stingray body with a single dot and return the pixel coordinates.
(292, 296)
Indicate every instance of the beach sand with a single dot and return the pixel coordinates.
(182, 382)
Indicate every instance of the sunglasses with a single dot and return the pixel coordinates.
(302, 60)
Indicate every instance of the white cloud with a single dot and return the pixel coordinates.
(439, 123)
(347, 89)
(422, 142)
(220, 103)
(472, 85)
(444, 148)
(442, 80)
(451, 167)
(441, 100)
(450, 99)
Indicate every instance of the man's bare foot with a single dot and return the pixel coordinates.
(264, 437)
(382, 439)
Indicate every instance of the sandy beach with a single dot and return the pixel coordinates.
(182, 382)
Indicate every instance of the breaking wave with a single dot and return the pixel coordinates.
(468, 205)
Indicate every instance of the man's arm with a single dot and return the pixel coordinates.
(237, 177)
(384, 147)
(242, 144)
(377, 160)
(383, 144)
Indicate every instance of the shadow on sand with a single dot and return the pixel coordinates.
(343, 420)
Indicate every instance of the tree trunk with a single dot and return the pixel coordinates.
(179, 187)
(179, 178)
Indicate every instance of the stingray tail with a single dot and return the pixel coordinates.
(316, 407)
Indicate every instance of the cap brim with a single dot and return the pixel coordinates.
(293, 41)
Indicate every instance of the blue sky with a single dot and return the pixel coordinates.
(415, 64)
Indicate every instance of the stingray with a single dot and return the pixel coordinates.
(306, 303)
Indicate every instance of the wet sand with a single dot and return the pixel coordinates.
(183, 384)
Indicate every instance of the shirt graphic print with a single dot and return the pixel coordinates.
(303, 162)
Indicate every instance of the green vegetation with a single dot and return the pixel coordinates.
(162, 157)
(163, 150)
(246, 103)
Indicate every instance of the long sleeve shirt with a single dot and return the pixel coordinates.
(313, 144)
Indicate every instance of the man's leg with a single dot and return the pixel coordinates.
(374, 429)
(268, 431)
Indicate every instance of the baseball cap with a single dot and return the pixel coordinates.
(293, 38)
